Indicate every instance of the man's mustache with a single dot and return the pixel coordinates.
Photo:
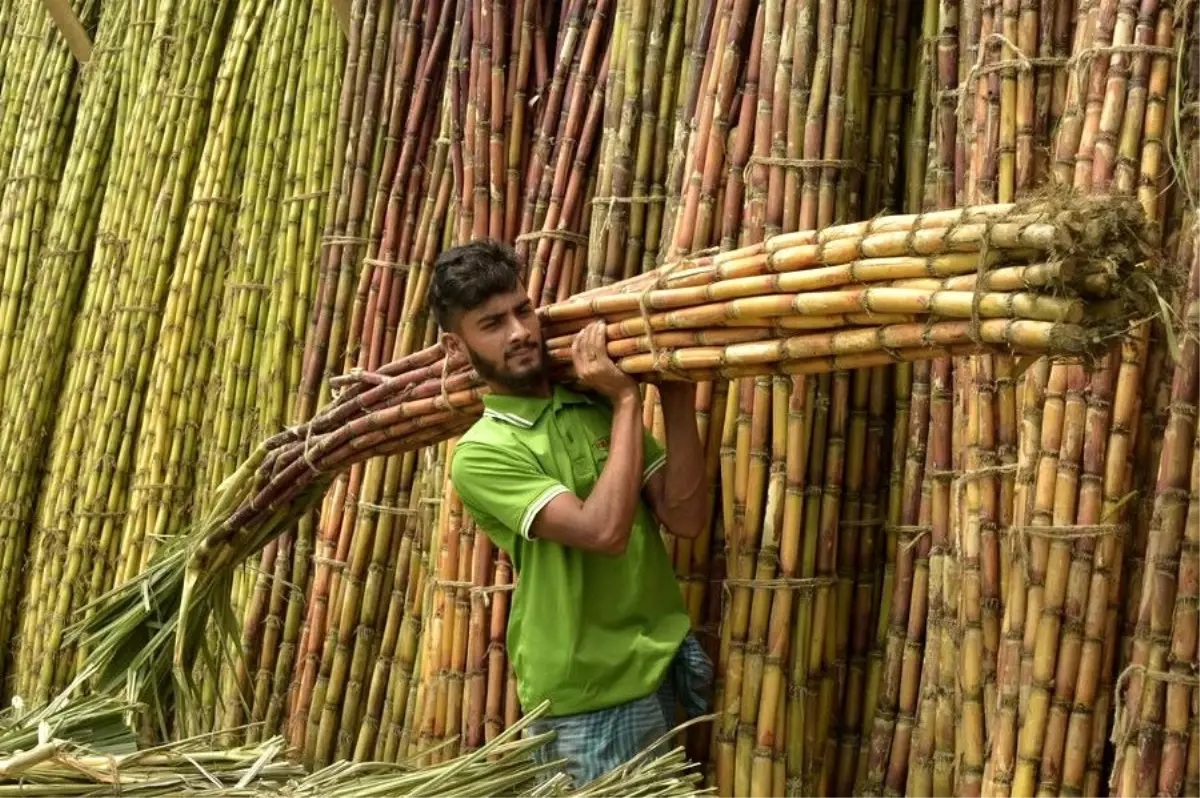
(519, 349)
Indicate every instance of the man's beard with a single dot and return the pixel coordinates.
(517, 383)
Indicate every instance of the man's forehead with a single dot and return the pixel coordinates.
(500, 303)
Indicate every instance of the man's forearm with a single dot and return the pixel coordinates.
(614, 499)
(602, 523)
(685, 495)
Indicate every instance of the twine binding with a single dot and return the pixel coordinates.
(306, 451)
(862, 523)
(395, 266)
(1124, 728)
(302, 197)
(385, 509)
(248, 287)
(914, 533)
(453, 584)
(1019, 62)
(227, 201)
(660, 281)
(637, 200)
(804, 163)
(803, 586)
(485, 591)
(556, 235)
(30, 176)
(1020, 536)
(342, 241)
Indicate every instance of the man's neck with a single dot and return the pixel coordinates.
(541, 391)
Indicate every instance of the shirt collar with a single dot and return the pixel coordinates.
(524, 411)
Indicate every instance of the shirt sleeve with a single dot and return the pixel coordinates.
(502, 488)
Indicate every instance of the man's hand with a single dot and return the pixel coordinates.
(595, 368)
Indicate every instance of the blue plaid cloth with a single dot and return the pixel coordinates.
(595, 743)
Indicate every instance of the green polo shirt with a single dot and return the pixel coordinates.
(587, 631)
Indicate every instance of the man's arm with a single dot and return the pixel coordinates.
(677, 493)
(603, 521)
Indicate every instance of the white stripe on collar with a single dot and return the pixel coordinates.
(508, 418)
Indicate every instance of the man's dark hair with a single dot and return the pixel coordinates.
(466, 276)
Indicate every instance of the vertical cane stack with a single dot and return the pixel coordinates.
(969, 575)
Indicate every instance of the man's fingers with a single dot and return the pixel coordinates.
(598, 338)
(591, 338)
(577, 347)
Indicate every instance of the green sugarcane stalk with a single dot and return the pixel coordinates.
(302, 238)
(179, 373)
(117, 228)
(71, 230)
(128, 354)
(46, 568)
(254, 259)
(301, 206)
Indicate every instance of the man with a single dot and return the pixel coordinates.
(572, 487)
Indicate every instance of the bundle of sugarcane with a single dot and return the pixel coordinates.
(1154, 734)
(271, 625)
(1058, 642)
(727, 314)
(264, 306)
(40, 100)
(816, 78)
(340, 681)
(42, 225)
(89, 541)
(1002, 78)
(77, 528)
(498, 170)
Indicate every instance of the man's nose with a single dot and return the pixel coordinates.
(517, 331)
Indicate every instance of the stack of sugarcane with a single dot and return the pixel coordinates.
(1155, 680)
(43, 94)
(728, 315)
(715, 87)
(818, 77)
(961, 605)
(174, 300)
(1017, 579)
(116, 320)
(1018, 598)
(484, 163)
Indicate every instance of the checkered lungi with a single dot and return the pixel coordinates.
(595, 743)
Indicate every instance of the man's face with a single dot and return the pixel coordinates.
(503, 340)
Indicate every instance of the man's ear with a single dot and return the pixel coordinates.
(453, 344)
